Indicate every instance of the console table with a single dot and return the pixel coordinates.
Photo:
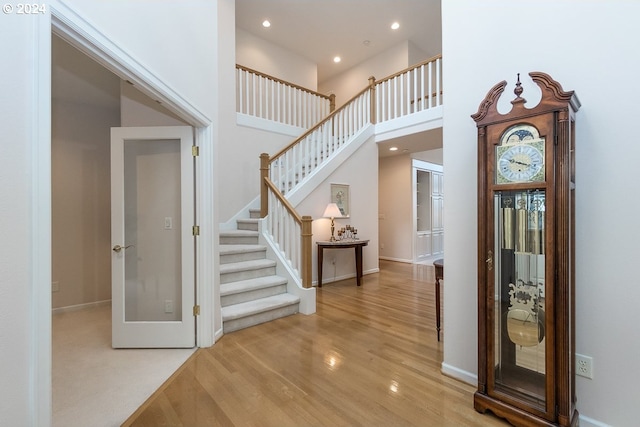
(342, 244)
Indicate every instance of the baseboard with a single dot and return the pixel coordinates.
(388, 258)
(79, 307)
(472, 379)
(345, 277)
(459, 374)
(217, 335)
(590, 422)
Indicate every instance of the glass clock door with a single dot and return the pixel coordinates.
(519, 312)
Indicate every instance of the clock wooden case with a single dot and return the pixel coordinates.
(526, 280)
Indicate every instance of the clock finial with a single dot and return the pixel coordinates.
(518, 91)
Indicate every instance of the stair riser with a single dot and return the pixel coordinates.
(253, 226)
(256, 319)
(254, 213)
(238, 240)
(247, 274)
(252, 295)
(242, 256)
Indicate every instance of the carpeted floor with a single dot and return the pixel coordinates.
(95, 385)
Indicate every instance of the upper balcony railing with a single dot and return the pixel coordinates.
(409, 91)
(269, 98)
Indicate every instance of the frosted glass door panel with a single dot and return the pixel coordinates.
(152, 225)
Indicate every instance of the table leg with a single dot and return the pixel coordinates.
(319, 266)
(359, 265)
(438, 306)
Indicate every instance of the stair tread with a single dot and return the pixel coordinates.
(249, 308)
(239, 233)
(233, 267)
(240, 248)
(251, 220)
(251, 284)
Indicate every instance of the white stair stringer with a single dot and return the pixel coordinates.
(251, 291)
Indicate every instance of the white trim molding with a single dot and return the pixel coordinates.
(40, 311)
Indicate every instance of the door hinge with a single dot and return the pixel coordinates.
(195, 151)
(196, 310)
(196, 230)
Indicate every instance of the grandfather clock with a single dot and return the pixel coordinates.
(526, 247)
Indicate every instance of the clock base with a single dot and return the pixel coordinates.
(517, 417)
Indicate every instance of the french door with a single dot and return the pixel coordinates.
(153, 247)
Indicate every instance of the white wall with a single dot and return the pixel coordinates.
(25, 304)
(84, 105)
(137, 109)
(352, 81)
(182, 54)
(243, 145)
(590, 48)
(261, 55)
(396, 208)
(362, 178)
(19, 192)
(241, 166)
(416, 55)
(431, 156)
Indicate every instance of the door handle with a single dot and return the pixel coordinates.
(118, 248)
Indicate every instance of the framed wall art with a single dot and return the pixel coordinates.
(340, 196)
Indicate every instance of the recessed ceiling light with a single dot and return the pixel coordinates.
(337, 59)
(393, 148)
(395, 26)
(266, 23)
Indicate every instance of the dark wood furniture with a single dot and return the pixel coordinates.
(342, 244)
(526, 253)
(439, 265)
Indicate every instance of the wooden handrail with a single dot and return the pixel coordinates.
(311, 130)
(419, 64)
(277, 80)
(282, 199)
(306, 234)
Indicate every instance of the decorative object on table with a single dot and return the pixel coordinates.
(348, 232)
(526, 254)
(340, 196)
(332, 211)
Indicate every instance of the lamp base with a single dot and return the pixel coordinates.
(333, 229)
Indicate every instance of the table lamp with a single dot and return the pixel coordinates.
(332, 211)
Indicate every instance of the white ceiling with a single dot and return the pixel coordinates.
(321, 29)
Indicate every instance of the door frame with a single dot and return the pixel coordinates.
(73, 28)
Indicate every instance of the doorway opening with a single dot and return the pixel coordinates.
(81, 36)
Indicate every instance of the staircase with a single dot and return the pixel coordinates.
(250, 290)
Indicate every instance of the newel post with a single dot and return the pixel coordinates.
(264, 191)
(332, 102)
(306, 251)
(372, 99)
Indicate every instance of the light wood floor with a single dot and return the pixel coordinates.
(368, 357)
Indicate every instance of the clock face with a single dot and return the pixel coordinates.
(520, 163)
(520, 155)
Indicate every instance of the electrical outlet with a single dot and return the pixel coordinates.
(168, 306)
(55, 286)
(584, 366)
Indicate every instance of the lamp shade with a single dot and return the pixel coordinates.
(332, 211)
